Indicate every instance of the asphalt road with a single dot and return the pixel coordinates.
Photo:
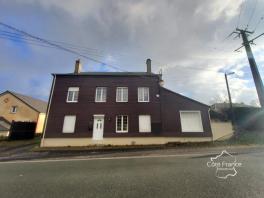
(166, 176)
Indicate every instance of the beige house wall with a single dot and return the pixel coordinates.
(24, 112)
(63, 142)
(222, 130)
(40, 123)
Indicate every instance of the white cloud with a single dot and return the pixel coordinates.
(186, 38)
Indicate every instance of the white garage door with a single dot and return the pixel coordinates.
(191, 121)
(144, 123)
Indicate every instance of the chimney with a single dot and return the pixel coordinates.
(78, 66)
(148, 62)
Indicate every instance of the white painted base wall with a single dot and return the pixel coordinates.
(222, 130)
(63, 142)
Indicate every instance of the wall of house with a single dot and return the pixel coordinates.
(24, 112)
(86, 106)
(40, 123)
(63, 142)
(172, 104)
(222, 130)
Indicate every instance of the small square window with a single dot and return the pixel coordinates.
(13, 109)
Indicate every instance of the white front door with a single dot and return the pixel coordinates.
(98, 127)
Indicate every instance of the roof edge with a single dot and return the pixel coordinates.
(7, 91)
(106, 74)
(186, 97)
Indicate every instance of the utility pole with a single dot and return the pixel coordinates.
(230, 101)
(252, 62)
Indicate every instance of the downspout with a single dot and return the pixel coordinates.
(210, 124)
(48, 109)
(160, 84)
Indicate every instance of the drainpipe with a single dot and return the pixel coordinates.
(48, 109)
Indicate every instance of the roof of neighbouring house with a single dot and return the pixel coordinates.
(225, 105)
(4, 120)
(37, 104)
(4, 124)
(3, 128)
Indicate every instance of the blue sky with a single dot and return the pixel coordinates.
(184, 38)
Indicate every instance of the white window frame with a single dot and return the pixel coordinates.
(143, 94)
(74, 90)
(139, 124)
(101, 94)
(64, 124)
(122, 123)
(13, 109)
(122, 94)
(201, 121)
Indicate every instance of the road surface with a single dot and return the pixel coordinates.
(142, 176)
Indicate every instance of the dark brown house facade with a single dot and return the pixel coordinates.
(121, 108)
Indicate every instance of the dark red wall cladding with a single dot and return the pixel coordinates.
(165, 116)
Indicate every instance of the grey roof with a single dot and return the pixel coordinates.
(111, 74)
(4, 124)
(227, 105)
(3, 128)
(2, 119)
(37, 104)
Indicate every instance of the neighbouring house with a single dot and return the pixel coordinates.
(19, 107)
(224, 106)
(121, 108)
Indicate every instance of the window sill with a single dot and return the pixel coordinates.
(121, 131)
(72, 101)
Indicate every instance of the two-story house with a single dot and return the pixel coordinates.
(120, 108)
(19, 107)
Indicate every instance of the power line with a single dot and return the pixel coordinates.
(240, 10)
(71, 46)
(260, 19)
(38, 43)
(252, 13)
(59, 46)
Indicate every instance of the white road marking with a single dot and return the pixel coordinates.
(105, 158)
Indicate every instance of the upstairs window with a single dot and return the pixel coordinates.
(143, 94)
(73, 93)
(121, 123)
(121, 94)
(100, 94)
(13, 109)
